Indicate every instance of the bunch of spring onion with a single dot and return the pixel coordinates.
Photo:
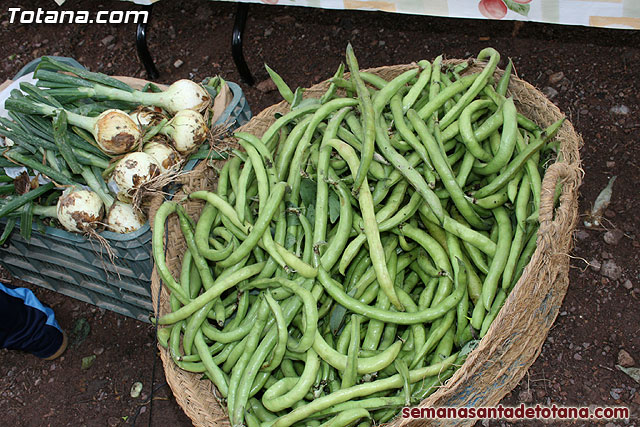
(80, 130)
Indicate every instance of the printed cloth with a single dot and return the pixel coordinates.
(595, 13)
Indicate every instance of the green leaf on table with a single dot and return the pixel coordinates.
(308, 191)
(150, 87)
(469, 347)
(632, 372)
(8, 228)
(26, 221)
(311, 213)
(79, 333)
(87, 362)
(519, 8)
(334, 207)
(290, 241)
(297, 98)
(292, 219)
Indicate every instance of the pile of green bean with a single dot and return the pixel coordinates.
(352, 255)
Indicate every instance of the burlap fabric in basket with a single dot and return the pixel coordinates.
(514, 340)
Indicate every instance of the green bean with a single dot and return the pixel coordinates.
(525, 256)
(417, 329)
(494, 200)
(160, 219)
(369, 275)
(219, 286)
(282, 87)
(489, 318)
(236, 353)
(310, 309)
(365, 365)
(507, 140)
(369, 403)
(498, 262)
(350, 373)
(445, 173)
(264, 218)
(231, 335)
(478, 314)
(368, 117)
(520, 234)
(283, 335)
(373, 79)
(510, 170)
(443, 96)
(433, 248)
(426, 296)
(236, 400)
(512, 186)
(251, 420)
(462, 319)
(284, 120)
(370, 225)
(376, 327)
(337, 244)
(215, 374)
(365, 389)
(328, 95)
(288, 391)
(322, 186)
(414, 143)
(382, 98)
(436, 333)
(198, 260)
(305, 142)
(287, 150)
(423, 79)
(260, 411)
(503, 83)
(185, 273)
(466, 130)
(400, 318)
(347, 418)
(193, 326)
(476, 87)
(405, 168)
(241, 195)
(352, 249)
(295, 263)
(222, 205)
(269, 242)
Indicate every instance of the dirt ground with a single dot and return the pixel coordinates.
(598, 89)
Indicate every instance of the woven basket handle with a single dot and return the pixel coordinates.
(553, 220)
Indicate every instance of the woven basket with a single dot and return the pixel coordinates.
(515, 338)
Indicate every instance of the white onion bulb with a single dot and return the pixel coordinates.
(115, 132)
(123, 218)
(187, 129)
(79, 210)
(185, 95)
(145, 116)
(163, 153)
(132, 171)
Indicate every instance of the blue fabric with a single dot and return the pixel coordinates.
(26, 324)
